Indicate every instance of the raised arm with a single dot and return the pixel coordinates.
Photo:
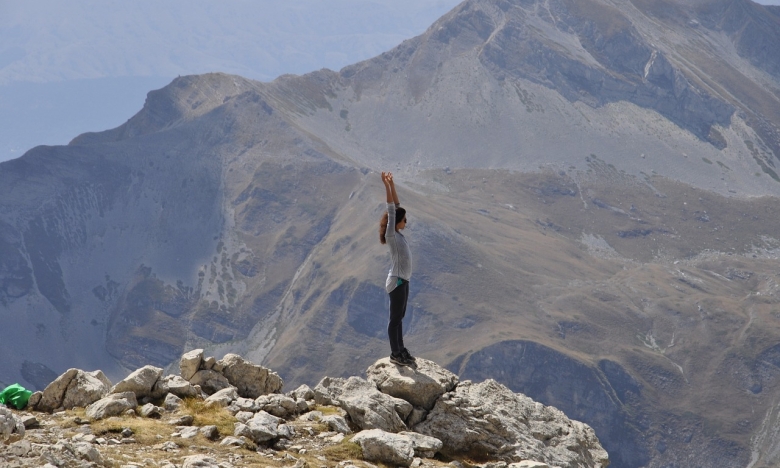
(388, 189)
(392, 189)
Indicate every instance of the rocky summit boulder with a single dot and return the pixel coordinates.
(190, 363)
(489, 418)
(210, 381)
(141, 382)
(73, 388)
(367, 407)
(421, 385)
(250, 379)
(385, 447)
(173, 384)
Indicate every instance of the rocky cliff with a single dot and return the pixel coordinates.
(401, 416)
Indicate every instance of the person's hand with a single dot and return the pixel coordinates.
(384, 178)
(389, 176)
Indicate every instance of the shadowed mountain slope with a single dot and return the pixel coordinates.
(593, 212)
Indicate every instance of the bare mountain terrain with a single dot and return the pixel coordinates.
(592, 191)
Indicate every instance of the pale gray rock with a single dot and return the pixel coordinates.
(234, 441)
(304, 391)
(528, 464)
(223, 398)
(367, 407)
(421, 385)
(29, 421)
(244, 416)
(11, 426)
(247, 404)
(112, 405)
(53, 394)
(188, 432)
(416, 417)
(209, 362)
(34, 400)
(150, 411)
(85, 388)
(173, 384)
(88, 452)
(20, 448)
(424, 446)
(172, 402)
(337, 423)
(189, 363)
(385, 447)
(261, 428)
(302, 406)
(285, 430)
(200, 461)
(279, 405)
(184, 420)
(210, 432)
(141, 382)
(311, 416)
(210, 381)
(489, 418)
(252, 380)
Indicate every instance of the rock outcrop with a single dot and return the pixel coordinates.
(444, 415)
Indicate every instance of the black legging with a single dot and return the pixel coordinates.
(395, 332)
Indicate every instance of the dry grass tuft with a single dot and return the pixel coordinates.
(346, 450)
(209, 416)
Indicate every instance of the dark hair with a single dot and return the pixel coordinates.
(400, 214)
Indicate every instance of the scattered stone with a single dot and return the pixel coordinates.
(187, 432)
(20, 448)
(34, 400)
(112, 405)
(141, 382)
(281, 406)
(53, 394)
(261, 428)
(311, 416)
(190, 363)
(421, 385)
(233, 441)
(200, 461)
(424, 446)
(184, 420)
(126, 432)
(87, 451)
(385, 447)
(173, 384)
(244, 416)
(210, 432)
(29, 421)
(250, 379)
(337, 423)
(210, 381)
(85, 388)
(303, 392)
(528, 464)
(172, 402)
(367, 407)
(223, 397)
(150, 411)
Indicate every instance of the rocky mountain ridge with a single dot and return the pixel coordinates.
(440, 414)
(599, 231)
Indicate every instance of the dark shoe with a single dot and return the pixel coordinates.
(407, 356)
(399, 360)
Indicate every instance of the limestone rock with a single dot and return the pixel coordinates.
(367, 407)
(304, 392)
(252, 380)
(35, 398)
(261, 428)
(489, 418)
(141, 382)
(528, 464)
(420, 386)
(53, 394)
(150, 411)
(200, 461)
(210, 432)
(11, 426)
(210, 381)
(279, 405)
(85, 388)
(172, 402)
(337, 423)
(223, 398)
(175, 385)
(190, 363)
(112, 405)
(424, 446)
(381, 446)
(87, 451)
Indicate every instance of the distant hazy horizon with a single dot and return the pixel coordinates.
(86, 65)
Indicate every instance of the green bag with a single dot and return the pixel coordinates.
(15, 395)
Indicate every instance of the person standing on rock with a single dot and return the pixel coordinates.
(390, 226)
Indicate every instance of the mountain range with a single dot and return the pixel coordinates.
(592, 200)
